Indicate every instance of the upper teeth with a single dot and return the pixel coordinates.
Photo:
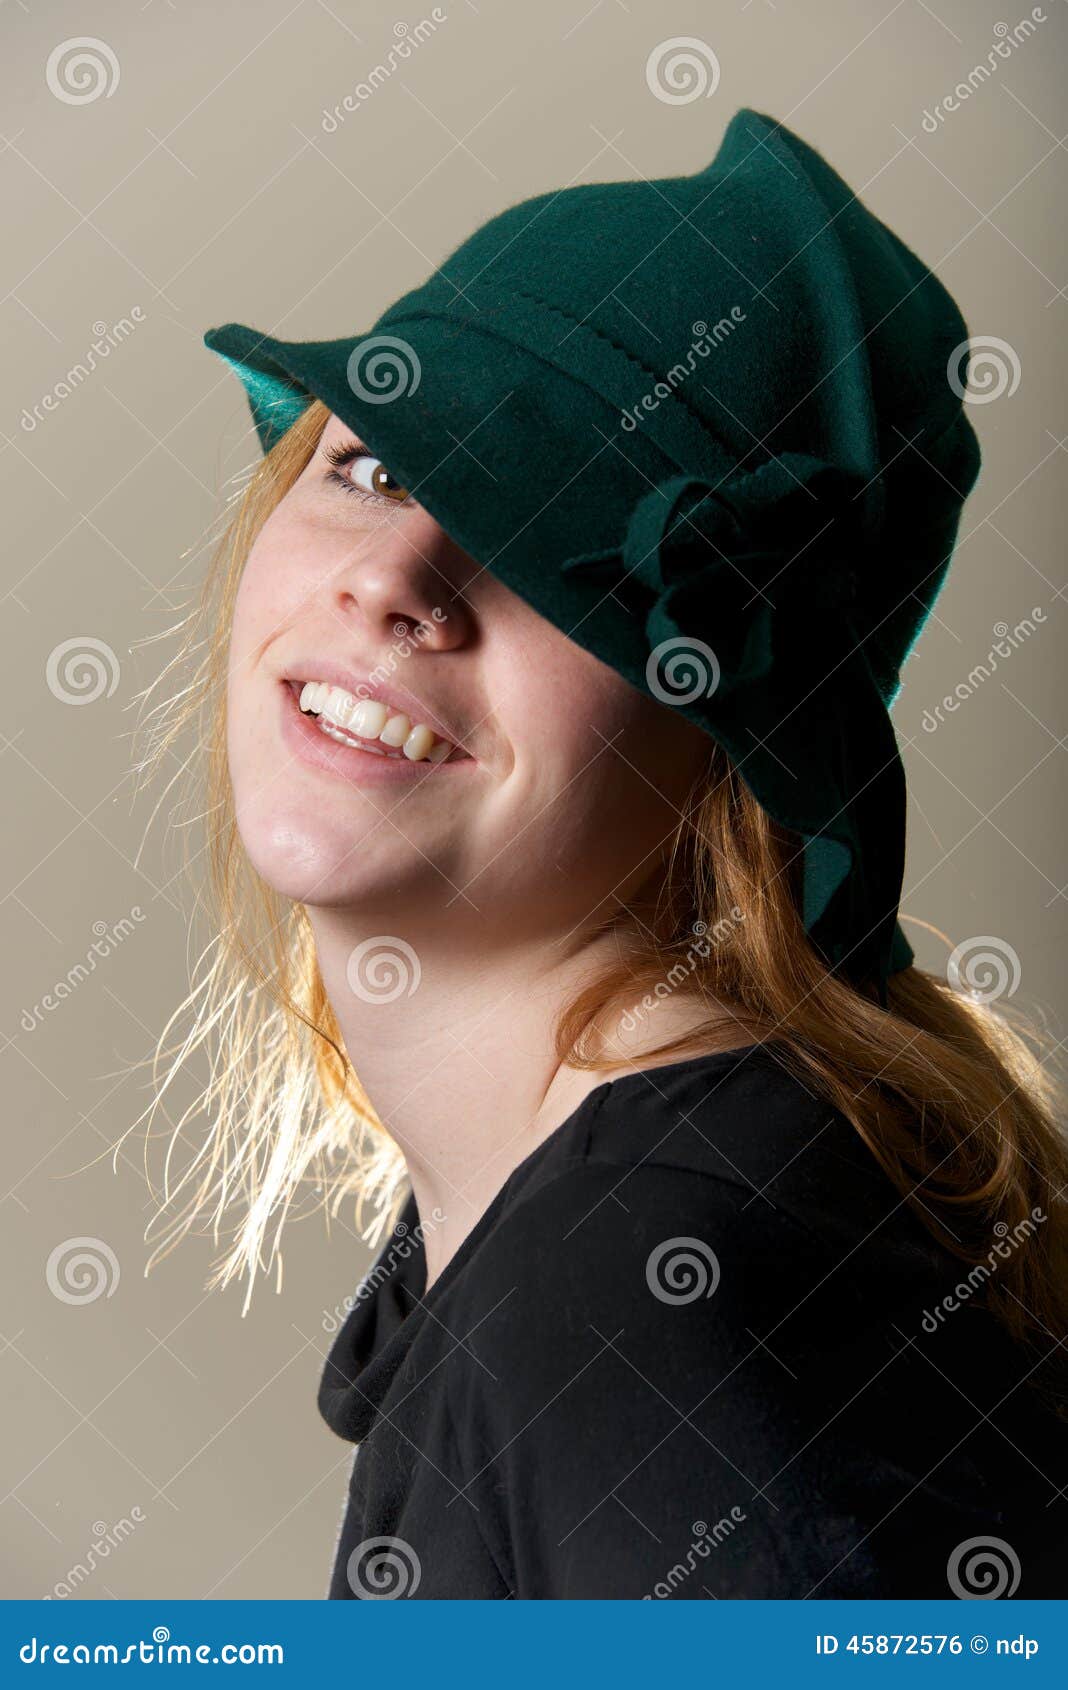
(369, 719)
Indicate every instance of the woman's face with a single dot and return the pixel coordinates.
(563, 782)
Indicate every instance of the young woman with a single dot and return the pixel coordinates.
(556, 830)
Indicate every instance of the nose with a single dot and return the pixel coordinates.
(408, 579)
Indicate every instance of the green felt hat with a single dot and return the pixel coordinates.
(710, 426)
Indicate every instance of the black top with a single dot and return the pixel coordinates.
(694, 1347)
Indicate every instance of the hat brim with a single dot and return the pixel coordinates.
(460, 419)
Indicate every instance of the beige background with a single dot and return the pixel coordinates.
(202, 188)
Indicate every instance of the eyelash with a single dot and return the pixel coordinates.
(340, 455)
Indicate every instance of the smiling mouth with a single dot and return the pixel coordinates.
(366, 724)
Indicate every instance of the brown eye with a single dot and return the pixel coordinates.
(361, 474)
(372, 476)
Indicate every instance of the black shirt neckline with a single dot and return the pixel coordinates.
(415, 1281)
(381, 1327)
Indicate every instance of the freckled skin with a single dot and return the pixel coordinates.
(549, 821)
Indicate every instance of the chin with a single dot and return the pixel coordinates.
(306, 861)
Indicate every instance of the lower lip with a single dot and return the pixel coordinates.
(306, 740)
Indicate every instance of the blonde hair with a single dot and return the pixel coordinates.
(955, 1101)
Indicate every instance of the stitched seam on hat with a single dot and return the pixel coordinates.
(579, 322)
(603, 555)
(598, 334)
(494, 331)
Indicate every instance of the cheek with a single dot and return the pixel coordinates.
(274, 584)
(598, 781)
(274, 825)
(248, 630)
(270, 588)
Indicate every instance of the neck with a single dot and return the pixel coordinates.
(461, 1071)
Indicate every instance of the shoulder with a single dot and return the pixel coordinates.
(682, 1216)
(746, 1117)
(607, 1276)
(632, 1254)
(624, 1352)
(690, 1315)
(735, 1140)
